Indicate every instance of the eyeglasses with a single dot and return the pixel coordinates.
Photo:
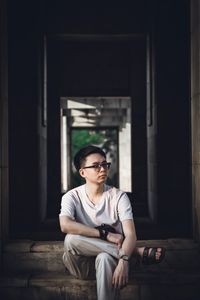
(97, 167)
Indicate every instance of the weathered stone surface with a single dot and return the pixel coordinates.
(14, 281)
(48, 246)
(18, 246)
(68, 284)
(48, 293)
(46, 277)
(57, 279)
(130, 292)
(57, 286)
(169, 292)
(47, 256)
(182, 244)
(195, 114)
(153, 243)
(57, 246)
(183, 260)
(34, 262)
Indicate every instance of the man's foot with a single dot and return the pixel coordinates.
(151, 255)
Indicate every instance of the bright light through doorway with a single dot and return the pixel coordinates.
(105, 121)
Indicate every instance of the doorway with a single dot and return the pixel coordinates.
(104, 122)
(108, 78)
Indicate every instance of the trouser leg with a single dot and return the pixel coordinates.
(77, 248)
(79, 266)
(81, 245)
(105, 265)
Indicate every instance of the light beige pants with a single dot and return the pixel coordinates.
(80, 252)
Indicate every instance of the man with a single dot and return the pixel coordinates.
(99, 223)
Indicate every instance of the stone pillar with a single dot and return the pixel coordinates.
(4, 224)
(195, 113)
(151, 132)
(42, 130)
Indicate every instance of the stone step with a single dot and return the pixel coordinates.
(34, 271)
(26, 256)
(59, 286)
(46, 286)
(37, 256)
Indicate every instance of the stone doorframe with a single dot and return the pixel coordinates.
(151, 123)
(195, 114)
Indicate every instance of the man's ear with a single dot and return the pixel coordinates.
(82, 173)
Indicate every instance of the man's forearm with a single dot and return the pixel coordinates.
(128, 245)
(78, 228)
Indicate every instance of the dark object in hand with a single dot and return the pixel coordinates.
(104, 229)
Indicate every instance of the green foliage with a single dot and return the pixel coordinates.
(84, 137)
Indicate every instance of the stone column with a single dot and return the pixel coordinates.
(195, 113)
(42, 130)
(151, 132)
(4, 200)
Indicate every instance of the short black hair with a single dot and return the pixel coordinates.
(84, 152)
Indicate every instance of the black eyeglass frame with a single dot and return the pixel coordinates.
(105, 165)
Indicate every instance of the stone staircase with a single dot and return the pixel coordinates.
(34, 271)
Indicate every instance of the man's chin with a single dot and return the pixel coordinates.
(102, 178)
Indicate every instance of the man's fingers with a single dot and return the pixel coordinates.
(119, 244)
(120, 282)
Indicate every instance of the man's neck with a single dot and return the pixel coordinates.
(94, 191)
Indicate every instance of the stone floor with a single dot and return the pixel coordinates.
(34, 271)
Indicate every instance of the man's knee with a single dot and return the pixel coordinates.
(104, 259)
(72, 242)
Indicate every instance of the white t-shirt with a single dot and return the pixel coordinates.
(113, 207)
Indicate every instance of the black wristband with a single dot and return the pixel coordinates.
(103, 233)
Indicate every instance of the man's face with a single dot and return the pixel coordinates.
(95, 168)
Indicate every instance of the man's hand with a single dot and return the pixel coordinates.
(115, 238)
(120, 275)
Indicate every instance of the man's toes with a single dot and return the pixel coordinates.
(157, 256)
(158, 253)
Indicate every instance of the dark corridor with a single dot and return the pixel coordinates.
(63, 50)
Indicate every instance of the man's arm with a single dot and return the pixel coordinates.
(120, 276)
(67, 225)
(130, 239)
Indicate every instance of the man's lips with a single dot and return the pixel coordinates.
(102, 175)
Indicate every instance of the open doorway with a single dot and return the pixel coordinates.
(101, 121)
(96, 83)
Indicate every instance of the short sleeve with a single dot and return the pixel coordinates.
(124, 208)
(67, 206)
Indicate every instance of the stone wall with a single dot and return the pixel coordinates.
(195, 113)
(3, 128)
(23, 91)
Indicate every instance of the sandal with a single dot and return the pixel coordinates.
(149, 255)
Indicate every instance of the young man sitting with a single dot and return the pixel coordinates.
(98, 223)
